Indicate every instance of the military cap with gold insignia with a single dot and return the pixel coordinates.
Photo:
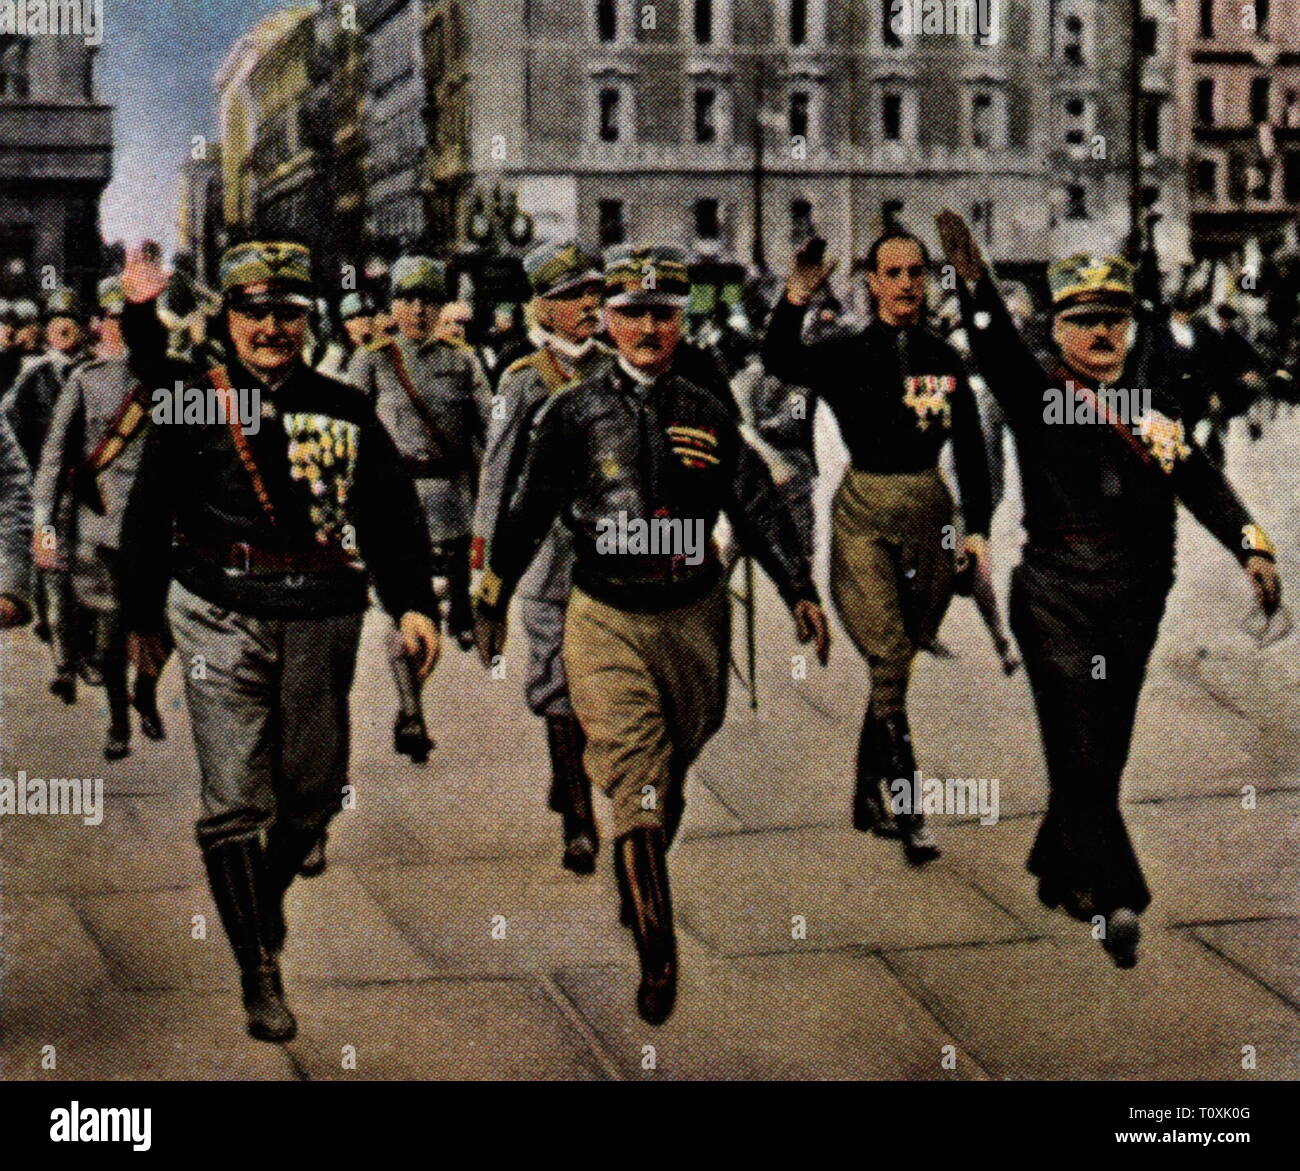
(63, 302)
(260, 274)
(636, 275)
(112, 300)
(418, 277)
(1082, 283)
(556, 269)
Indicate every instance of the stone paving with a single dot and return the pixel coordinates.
(444, 940)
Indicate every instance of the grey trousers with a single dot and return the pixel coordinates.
(268, 703)
(546, 689)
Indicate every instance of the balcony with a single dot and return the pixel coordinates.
(61, 143)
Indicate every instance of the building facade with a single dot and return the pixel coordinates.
(56, 158)
(1239, 113)
(735, 129)
(732, 129)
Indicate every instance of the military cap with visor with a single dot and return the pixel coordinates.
(418, 277)
(636, 275)
(554, 270)
(261, 275)
(1082, 284)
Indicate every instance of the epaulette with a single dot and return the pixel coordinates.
(528, 361)
(381, 344)
(457, 344)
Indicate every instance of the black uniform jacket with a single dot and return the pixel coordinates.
(670, 450)
(1093, 503)
(334, 480)
(898, 395)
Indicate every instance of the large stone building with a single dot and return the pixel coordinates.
(733, 129)
(1239, 114)
(56, 157)
(621, 119)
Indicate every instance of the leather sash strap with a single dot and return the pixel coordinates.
(221, 381)
(440, 443)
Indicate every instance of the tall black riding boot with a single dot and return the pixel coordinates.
(288, 848)
(900, 763)
(870, 808)
(240, 881)
(572, 788)
(644, 874)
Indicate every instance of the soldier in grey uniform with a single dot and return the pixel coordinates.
(568, 286)
(434, 398)
(248, 541)
(29, 405)
(87, 469)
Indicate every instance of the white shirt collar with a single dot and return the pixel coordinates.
(573, 351)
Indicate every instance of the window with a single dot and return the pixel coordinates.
(801, 220)
(798, 115)
(891, 117)
(1207, 177)
(1291, 177)
(612, 228)
(704, 22)
(981, 121)
(1205, 101)
(798, 22)
(610, 101)
(1072, 50)
(708, 225)
(88, 74)
(1263, 11)
(1076, 202)
(13, 69)
(1261, 95)
(890, 210)
(706, 109)
(1147, 36)
(1261, 181)
(607, 20)
(1207, 18)
(981, 216)
(1076, 121)
(887, 33)
(1291, 118)
(1151, 124)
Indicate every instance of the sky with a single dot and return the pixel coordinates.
(156, 67)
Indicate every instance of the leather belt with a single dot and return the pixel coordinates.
(241, 557)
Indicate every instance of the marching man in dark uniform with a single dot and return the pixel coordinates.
(1086, 602)
(260, 531)
(88, 466)
(568, 286)
(639, 462)
(434, 398)
(898, 392)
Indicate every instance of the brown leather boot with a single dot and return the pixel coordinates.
(644, 872)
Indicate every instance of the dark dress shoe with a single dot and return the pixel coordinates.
(1122, 934)
(410, 738)
(118, 743)
(151, 725)
(64, 685)
(580, 854)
